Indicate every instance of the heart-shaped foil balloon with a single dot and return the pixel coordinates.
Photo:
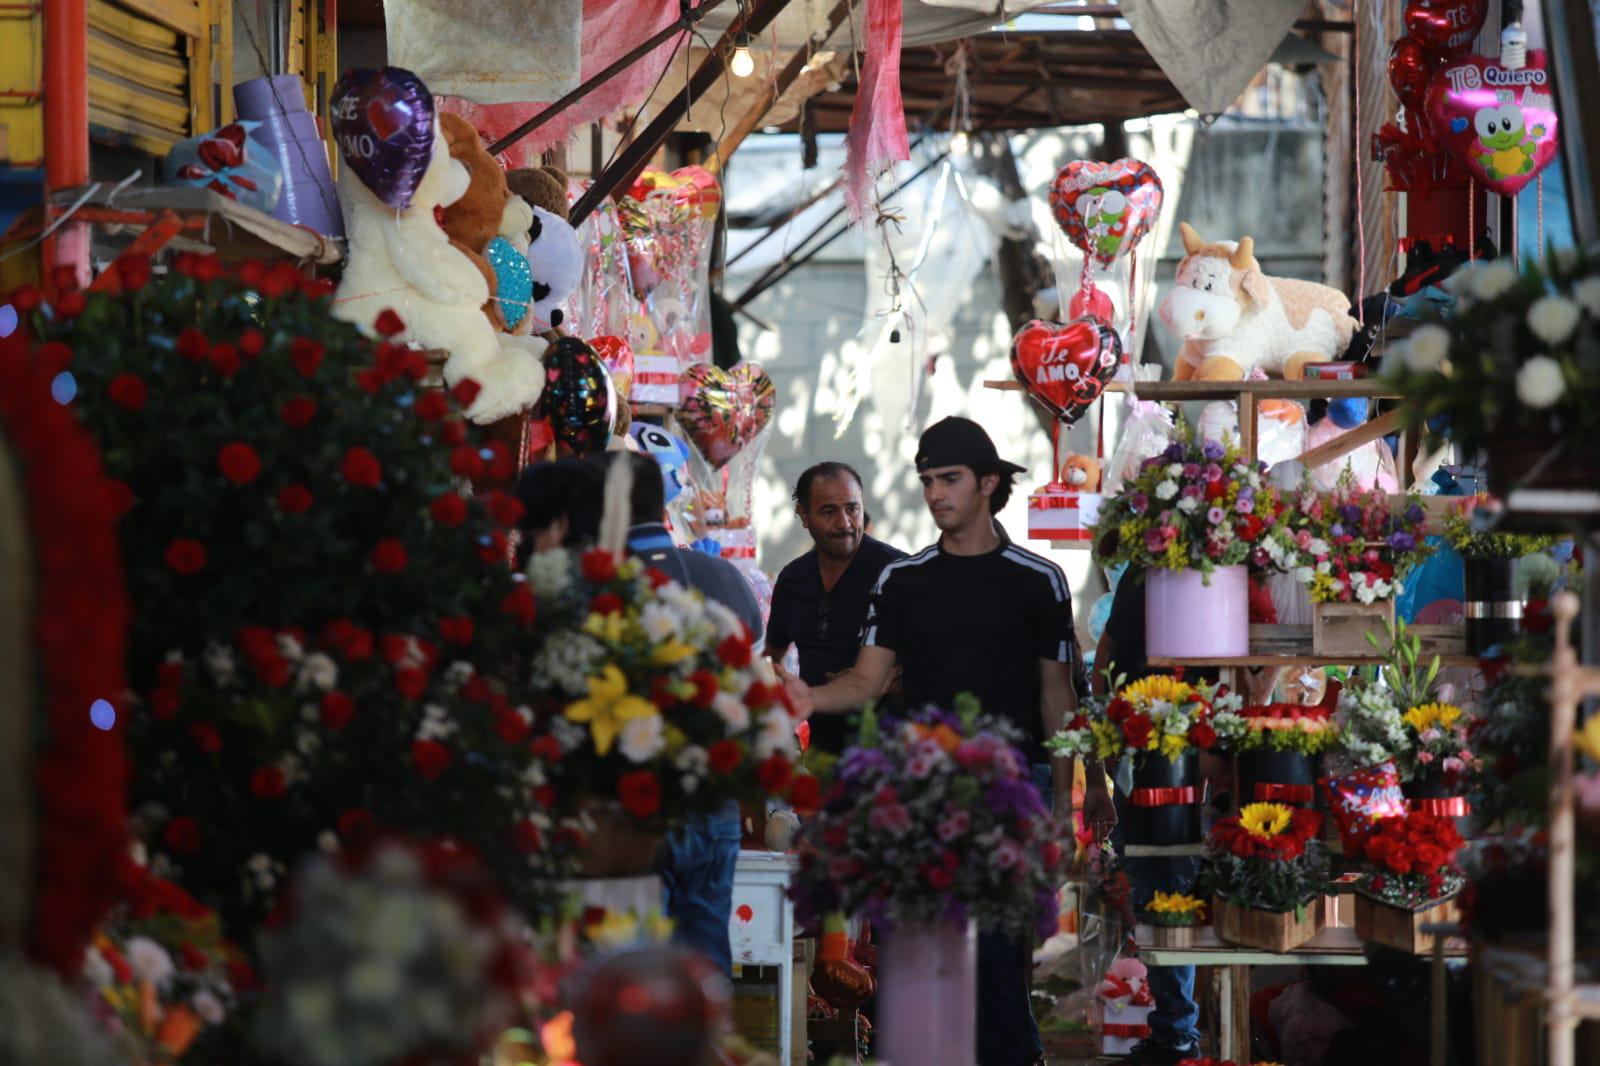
(693, 189)
(383, 125)
(1066, 367)
(617, 354)
(1106, 208)
(1446, 28)
(578, 399)
(1501, 124)
(722, 410)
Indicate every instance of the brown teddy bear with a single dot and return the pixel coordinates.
(544, 187)
(488, 210)
(1081, 473)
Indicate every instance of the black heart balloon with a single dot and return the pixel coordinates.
(578, 398)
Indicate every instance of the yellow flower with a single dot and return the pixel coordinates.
(671, 653)
(607, 707)
(607, 627)
(1173, 745)
(1147, 690)
(1588, 737)
(1176, 903)
(1432, 715)
(1265, 819)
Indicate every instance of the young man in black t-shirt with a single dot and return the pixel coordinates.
(819, 601)
(974, 613)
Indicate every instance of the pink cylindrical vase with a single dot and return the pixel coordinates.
(1185, 618)
(928, 995)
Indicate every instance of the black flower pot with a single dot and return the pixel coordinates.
(1267, 776)
(1492, 610)
(1153, 820)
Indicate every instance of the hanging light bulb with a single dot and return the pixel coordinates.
(959, 142)
(740, 64)
(1514, 47)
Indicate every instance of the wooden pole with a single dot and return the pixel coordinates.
(753, 21)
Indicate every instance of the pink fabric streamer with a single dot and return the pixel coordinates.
(610, 29)
(877, 137)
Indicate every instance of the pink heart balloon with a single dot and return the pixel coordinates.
(1065, 367)
(1106, 208)
(722, 410)
(1501, 124)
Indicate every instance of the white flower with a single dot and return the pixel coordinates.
(98, 969)
(690, 783)
(150, 961)
(459, 672)
(1189, 504)
(660, 624)
(550, 573)
(318, 671)
(1303, 574)
(728, 623)
(1426, 348)
(1553, 318)
(1540, 382)
(289, 647)
(732, 710)
(1587, 293)
(208, 1006)
(692, 759)
(643, 738)
(220, 661)
(1175, 470)
(1166, 490)
(1493, 279)
(327, 841)
(777, 734)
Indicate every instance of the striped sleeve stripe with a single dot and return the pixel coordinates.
(869, 638)
(1058, 580)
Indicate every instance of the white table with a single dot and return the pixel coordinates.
(761, 929)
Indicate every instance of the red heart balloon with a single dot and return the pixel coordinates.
(1090, 302)
(1446, 28)
(1065, 367)
(1501, 124)
(1106, 208)
(1410, 70)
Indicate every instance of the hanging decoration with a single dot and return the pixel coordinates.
(1065, 367)
(617, 355)
(1498, 122)
(721, 411)
(1446, 28)
(1105, 209)
(877, 137)
(578, 399)
(383, 124)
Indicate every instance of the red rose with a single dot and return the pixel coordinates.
(388, 323)
(370, 381)
(640, 793)
(361, 468)
(1536, 616)
(430, 757)
(937, 876)
(1050, 854)
(493, 550)
(1202, 735)
(606, 603)
(1305, 823)
(163, 703)
(297, 411)
(1400, 859)
(239, 463)
(185, 556)
(466, 462)
(337, 710)
(805, 794)
(225, 360)
(306, 355)
(26, 298)
(411, 682)
(511, 726)
(448, 509)
(192, 345)
(706, 688)
(241, 976)
(519, 604)
(192, 958)
(389, 556)
(1137, 730)
(526, 838)
(182, 835)
(356, 826)
(734, 651)
(453, 432)
(206, 737)
(456, 630)
(598, 566)
(504, 509)
(119, 497)
(280, 279)
(268, 783)
(294, 499)
(1430, 857)
(476, 690)
(465, 392)
(1216, 490)
(1251, 527)
(251, 342)
(501, 467)
(725, 756)
(546, 748)
(431, 406)
(1118, 710)
(774, 774)
(128, 391)
(71, 305)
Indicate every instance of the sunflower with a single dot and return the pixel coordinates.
(1265, 820)
(1432, 715)
(1588, 738)
(1146, 691)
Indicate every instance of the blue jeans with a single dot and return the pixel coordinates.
(1176, 1020)
(698, 883)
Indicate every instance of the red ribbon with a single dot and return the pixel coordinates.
(1163, 797)
(647, 378)
(1053, 497)
(1268, 791)
(1124, 1031)
(1447, 807)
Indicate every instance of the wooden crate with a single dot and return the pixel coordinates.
(1396, 927)
(1342, 628)
(1173, 936)
(1267, 930)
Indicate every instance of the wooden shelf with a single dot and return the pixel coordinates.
(1290, 645)
(1336, 945)
(1232, 390)
(211, 223)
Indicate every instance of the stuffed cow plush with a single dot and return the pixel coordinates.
(1233, 318)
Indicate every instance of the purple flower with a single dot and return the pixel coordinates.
(1174, 452)
(1015, 798)
(1414, 514)
(859, 762)
(1139, 502)
(1215, 515)
(1351, 514)
(1244, 504)
(1336, 530)
(1049, 922)
(1212, 450)
(1402, 542)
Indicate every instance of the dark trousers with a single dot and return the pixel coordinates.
(1175, 1022)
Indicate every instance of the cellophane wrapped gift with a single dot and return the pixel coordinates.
(1057, 513)
(1123, 1003)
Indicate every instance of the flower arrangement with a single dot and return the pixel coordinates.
(1371, 713)
(1197, 505)
(1267, 857)
(1296, 727)
(1413, 860)
(1159, 715)
(1352, 545)
(1175, 909)
(648, 695)
(1510, 360)
(934, 818)
(395, 953)
(1439, 740)
(160, 973)
(1463, 533)
(1511, 735)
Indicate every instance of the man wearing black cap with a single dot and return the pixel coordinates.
(974, 613)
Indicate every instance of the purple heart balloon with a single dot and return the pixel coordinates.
(383, 125)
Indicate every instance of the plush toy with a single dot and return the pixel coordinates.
(1233, 318)
(485, 223)
(554, 252)
(1081, 473)
(402, 260)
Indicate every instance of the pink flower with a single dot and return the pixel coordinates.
(894, 820)
(1007, 854)
(1215, 515)
(1453, 765)
(953, 826)
(1302, 539)
(921, 765)
(1425, 757)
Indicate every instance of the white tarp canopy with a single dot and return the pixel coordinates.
(926, 21)
(1211, 49)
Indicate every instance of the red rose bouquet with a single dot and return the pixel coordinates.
(1267, 857)
(1413, 860)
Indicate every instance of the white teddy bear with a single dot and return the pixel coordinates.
(405, 262)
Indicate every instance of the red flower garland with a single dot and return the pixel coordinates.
(80, 628)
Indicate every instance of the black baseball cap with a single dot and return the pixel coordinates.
(958, 441)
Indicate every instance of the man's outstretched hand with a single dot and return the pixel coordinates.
(798, 691)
